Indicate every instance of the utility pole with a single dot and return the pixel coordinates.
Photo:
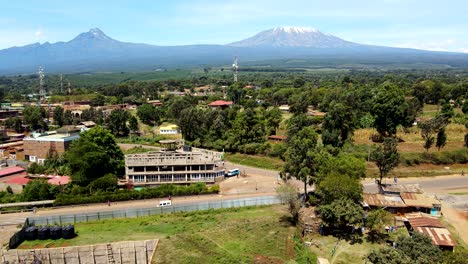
(235, 68)
(41, 84)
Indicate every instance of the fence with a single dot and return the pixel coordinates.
(139, 212)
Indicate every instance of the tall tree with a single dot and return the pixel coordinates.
(273, 118)
(117, 122)
(341, 213)
(34, 117)
(430, 127)
(133, 123)
(386, 157)
(149, 114)
(339, 125)
(58, 116)
(441, 138)
(389, 109)
(301, 157)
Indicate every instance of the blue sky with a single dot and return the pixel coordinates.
(425, 24)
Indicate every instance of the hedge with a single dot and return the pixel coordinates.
(125, 195)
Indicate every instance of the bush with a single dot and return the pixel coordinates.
(125, 195)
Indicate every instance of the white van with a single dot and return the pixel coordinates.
(233, 172)
(165, 203)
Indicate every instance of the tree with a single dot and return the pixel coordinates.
(37, 190)
(441, 138)
(342, 164)
(388, 256)
(107, 182)
(300, 156)
(338, 125)
(149, 114)
(99, 100)
(34, 117)
(133, 123)
(336, 186)
(288, 195)
(58, 116)
(465, 107)
(376, 220)
(117, 122)
(386, 157)
(67, 117)
(389, 108)
(430, 127)
(273, 118)
(416, 249)
(341, 213)
(94, 155)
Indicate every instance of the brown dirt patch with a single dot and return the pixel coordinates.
(260, 259)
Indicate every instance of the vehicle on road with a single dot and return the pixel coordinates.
(165, 203)
(233, 172)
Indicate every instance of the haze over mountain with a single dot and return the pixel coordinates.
(94, 51)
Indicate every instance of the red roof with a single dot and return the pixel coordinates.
(221, 103)
(20, 179)
(59, 180)
(439, 236)
(10, 170)
(425, 222)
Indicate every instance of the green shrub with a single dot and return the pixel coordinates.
(124, 195)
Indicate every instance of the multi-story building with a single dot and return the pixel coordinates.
(38, 146)
(178, 167)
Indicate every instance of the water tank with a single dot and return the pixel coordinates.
(30, 233)
(43, 233)
(56, 232)
(68, 232)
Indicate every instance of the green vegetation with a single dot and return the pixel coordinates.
(215, 236)
(104, 189)
(263, 162)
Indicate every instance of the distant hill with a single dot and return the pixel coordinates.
(94, 51)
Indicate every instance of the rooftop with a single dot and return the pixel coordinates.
(402, 188)
(10, 171)
(439, 236)
(376, 199)
(221, 103)
(424, 221)
(419, 200)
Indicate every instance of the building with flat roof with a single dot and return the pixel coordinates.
(178, 167)
(169, 130)
(38, 146)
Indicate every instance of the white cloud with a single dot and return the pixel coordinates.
(39, 33)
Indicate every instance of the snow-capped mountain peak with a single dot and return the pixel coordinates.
(298, 30)
(293, 37)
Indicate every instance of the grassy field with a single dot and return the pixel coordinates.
(237, 235)
(263, 162)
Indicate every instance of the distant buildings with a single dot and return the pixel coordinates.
(178, 167)
(221, 104)
(38, 146)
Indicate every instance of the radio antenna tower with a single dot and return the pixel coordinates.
(41, 84)
(61, 83)
(69, 87)
(235, 68)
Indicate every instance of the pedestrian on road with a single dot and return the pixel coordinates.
(108, 203)
(463, 173)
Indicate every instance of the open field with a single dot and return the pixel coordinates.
(263, 162)
(215, 236)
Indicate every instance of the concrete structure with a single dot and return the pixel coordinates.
(180, 167)
(38, 146)
(169, 130)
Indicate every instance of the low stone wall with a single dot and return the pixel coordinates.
(128, 252)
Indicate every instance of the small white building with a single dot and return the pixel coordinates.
(169, 130)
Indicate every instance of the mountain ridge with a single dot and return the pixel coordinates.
(95, 51)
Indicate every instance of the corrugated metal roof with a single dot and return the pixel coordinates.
(11, 170)
(439, 236)
(425, 222)
(221, 103)
(376, 199)
(419, 200)
(402, 188)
